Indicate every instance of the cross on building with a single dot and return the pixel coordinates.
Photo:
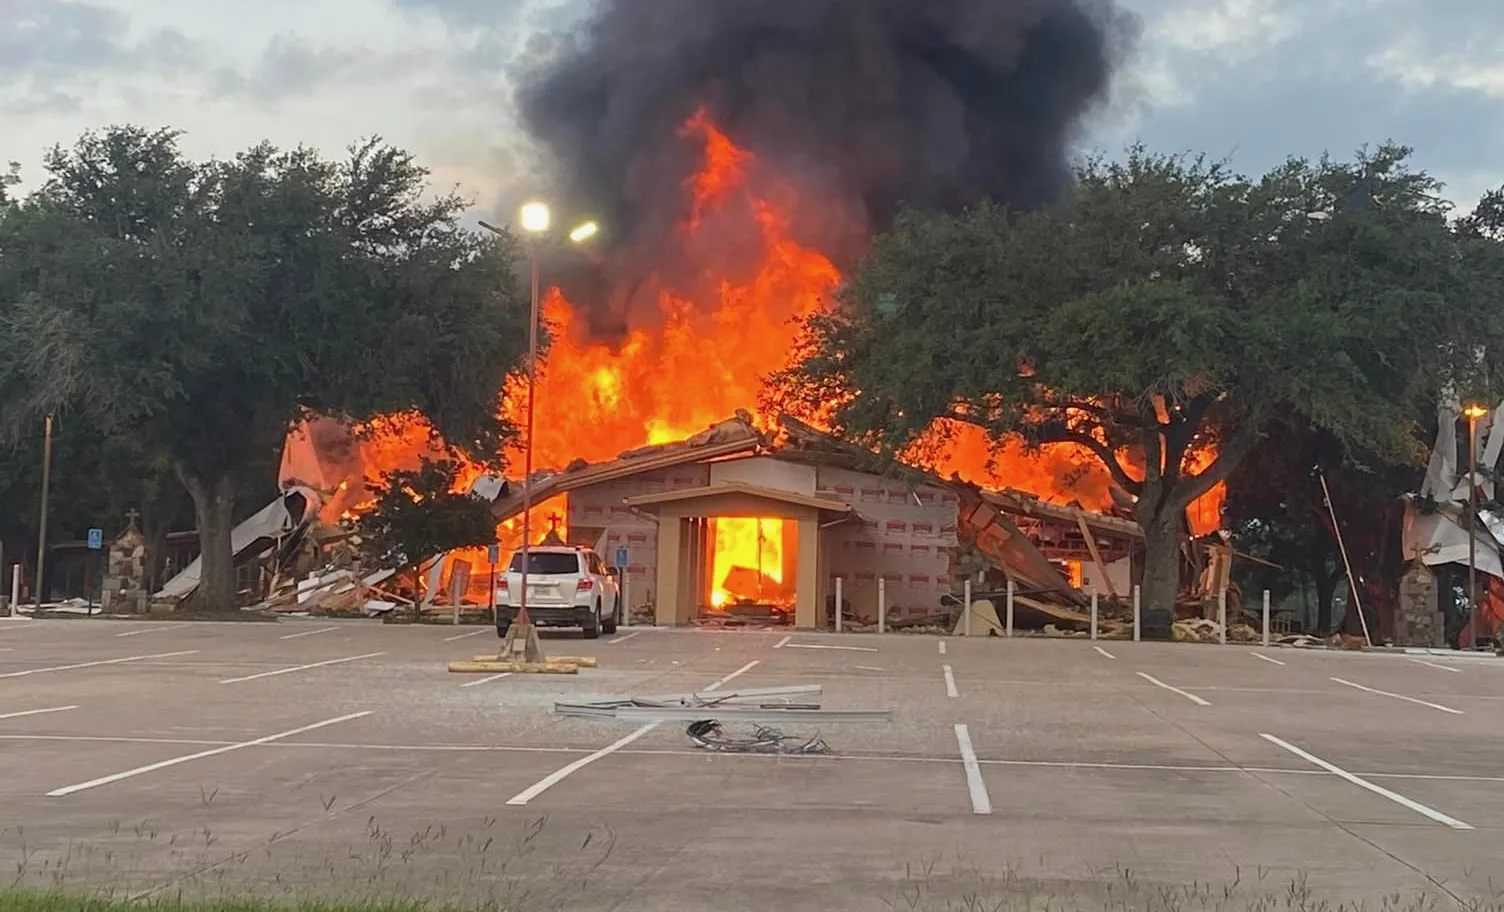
(131, 517)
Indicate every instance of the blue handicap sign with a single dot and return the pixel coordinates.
(96, 539)
(493, 554)
(621, 557)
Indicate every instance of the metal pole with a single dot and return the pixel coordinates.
(527, 458)
(1008, 610)
(1137, 606)
(839, 581)
(15, 590)
(882, 604)
(1472, 538)
(623, 596)
(1266, 617)
(966, 615)
(42, 523)
(1352, 584)
(1222, 616)
(1094, 614)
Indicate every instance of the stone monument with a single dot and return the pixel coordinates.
(1418, 620)
(124, 590)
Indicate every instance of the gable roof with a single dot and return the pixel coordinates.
(826, 504)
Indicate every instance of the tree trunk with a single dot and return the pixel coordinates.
(1161, 580)
(214, 507)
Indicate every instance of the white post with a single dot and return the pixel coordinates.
(15, 590)
(882, 605)
(1008, 624)
(839, 580)
(623, 600)
(1094, 614)
(966, 617)
(1222, 615)
(1266, 617)
(1137, 610)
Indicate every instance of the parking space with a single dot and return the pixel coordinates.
(181, 754)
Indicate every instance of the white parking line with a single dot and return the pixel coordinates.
(733, 676)
(1158, 683)
(845, 648)
(1385, 693)
(466, 635)
(153, 767)
(139, 658)
(1359, 781)
(942, 647)
(159, 628)
(35, 712)
(783, 642)
(1455, 671)
(564, 772)
(1104, 652)
(487, 680)
(950, 682)
(307, 633)
(980, 802)
(624, 637)
(1260, 655)
(283, 671)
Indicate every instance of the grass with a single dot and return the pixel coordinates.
(483, 866)
(59, 902)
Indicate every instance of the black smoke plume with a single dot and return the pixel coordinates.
(865, 104)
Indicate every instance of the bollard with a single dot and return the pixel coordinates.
(1094, 614)
(1266, 617)
(838, 604)
(1137, 604)
(1008, 624)
(15, 590)
(882, 605)
(966, 617)
(1222, 615)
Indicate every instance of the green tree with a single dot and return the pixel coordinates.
(421, 514)
(1168, 305)
(1277, 509)
(205, 307)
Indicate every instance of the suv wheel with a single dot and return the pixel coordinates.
(608, 624)
(592, 628)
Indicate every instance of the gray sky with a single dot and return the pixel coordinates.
(1247, 80)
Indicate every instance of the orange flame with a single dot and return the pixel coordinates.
(706, 350)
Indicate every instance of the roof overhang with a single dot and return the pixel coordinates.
(829, 508)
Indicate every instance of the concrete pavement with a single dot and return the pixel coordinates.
(327, 757)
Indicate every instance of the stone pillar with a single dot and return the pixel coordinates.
(1418, 620)
(124, 588)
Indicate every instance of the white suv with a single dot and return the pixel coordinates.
(566, 587)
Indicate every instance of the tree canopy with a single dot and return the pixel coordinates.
(1169, 306)
(202, 309)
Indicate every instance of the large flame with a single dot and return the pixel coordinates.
(705, 351)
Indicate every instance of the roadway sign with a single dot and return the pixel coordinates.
(96, 539)
(621, 558)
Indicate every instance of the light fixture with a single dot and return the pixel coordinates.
(584, 232)
(535, 218)
(1474, 412)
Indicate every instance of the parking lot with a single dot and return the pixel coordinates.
(341, 757)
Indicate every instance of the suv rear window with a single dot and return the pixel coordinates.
(546, 563)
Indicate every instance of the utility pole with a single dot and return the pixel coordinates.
(42, 523)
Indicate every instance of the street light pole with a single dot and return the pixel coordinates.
(535, 221)
(1473, 413)
(42, 522)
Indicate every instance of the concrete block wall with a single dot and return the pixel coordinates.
(908, 536)
(600, 507)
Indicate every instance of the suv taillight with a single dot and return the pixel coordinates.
(585, 585)
(501, 585)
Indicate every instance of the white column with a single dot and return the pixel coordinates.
(1094, 614)
(882, 605)
(1008, 624)
(966, 615)
(1137, 610)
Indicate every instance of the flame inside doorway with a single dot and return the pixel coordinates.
(747, 563)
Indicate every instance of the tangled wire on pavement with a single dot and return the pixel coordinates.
(709, 735)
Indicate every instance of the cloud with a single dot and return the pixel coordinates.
(1258, 80)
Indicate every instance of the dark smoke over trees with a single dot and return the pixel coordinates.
(866, 104)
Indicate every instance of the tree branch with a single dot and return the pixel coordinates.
(1108, 458)
(1231, 454)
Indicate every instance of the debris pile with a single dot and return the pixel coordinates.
(707, 713)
